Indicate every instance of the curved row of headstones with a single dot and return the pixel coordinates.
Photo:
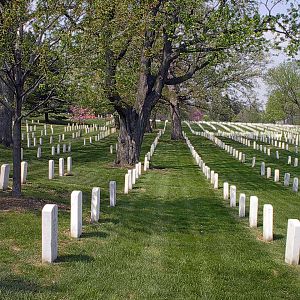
(242, 157)
(292, 250)
(262, 148)
(269, 137)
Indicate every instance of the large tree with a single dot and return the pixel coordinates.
(284, 82)
(138, 42)
(33, 37)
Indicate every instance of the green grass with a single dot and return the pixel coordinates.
(172, 237)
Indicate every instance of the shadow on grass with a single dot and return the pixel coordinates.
(277, 237)
(18, 284)
(97, 234)
(74, 258)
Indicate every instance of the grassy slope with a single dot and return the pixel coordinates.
(172, 237)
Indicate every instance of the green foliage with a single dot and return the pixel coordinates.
(284, 97)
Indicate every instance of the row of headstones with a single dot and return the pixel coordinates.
(257, 137)
(70, 128)
(5, 170)
(268, 139)
(61, 137)
(97, 137)
(65, 149)
(239, 155)
(61, 167)
(271, 139)
(133, 174)
(278, 132)
(4, 175)
(50, 220)
(293, 229)
(242, 157)
(210, 175)
(264, 149)
(293, 232)
(85, 127)
(268, 174)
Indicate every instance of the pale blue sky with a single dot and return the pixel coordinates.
(276, 57)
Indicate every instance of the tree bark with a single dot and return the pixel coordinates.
(148, 127)
(117, 121)
(174, 100)
(16, 192)
(5, 127)
(153, 123)
(130, 138)
(176, 129)
(46, 117)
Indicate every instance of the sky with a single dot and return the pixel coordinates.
(276, 57)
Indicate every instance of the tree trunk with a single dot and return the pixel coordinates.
(46, 117)
(130, 138)
(16, 192)
(176, 129)
(117, 121)
(5, 127)
(148, 127)
(153, 123)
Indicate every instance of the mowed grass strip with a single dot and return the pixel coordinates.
(172, 237)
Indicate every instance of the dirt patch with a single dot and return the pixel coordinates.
(24, 204)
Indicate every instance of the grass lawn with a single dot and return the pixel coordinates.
(172, 237)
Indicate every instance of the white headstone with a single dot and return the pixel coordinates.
(24, 167)
(242, 205)
(61, 167)
(295, 184)
(113, 193)
(225, 190)
(126, 184)
(95, 204)
(76, 214)
(268, 223)
(53, 151)
(51, 169)
(232, 196)
(276, 175)
(39, 152)
(69, 165)
(49, 233)
(253, 211)
(130, 179)
(287, 179)
(4, 177)
(253, 162)
(216, 181)
(292, 248)
(296, 162)
(262, 169)
(269, 172)
(133, 176)
(212, 176)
